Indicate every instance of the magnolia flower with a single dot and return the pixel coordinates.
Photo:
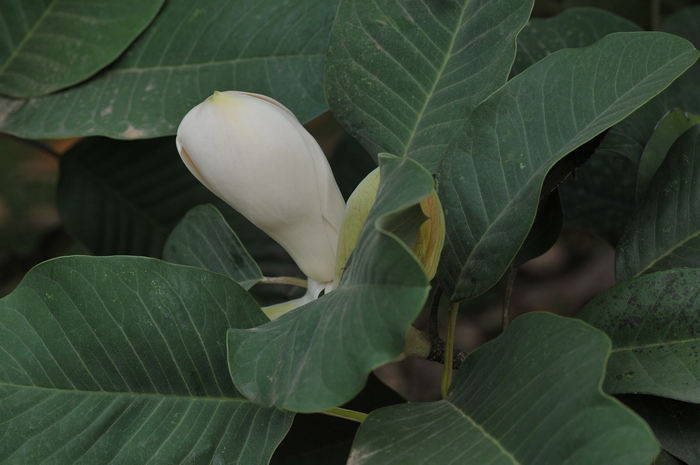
(254, 154)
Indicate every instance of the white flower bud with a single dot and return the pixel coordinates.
(254, 154)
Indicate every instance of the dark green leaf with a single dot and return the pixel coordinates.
(638, 11)
(122, 197)
(46, 46)
(654, 323)
(326, 440)
(603, 196)
(490, 181)
(403, 76)
(532, 396)
(664, 458)
(122, 360)
(191, 49)
(600, 198)
(665, 231)
(676, 424)
(574, 28)
(319, 355)
(667, 131)
(204, 239)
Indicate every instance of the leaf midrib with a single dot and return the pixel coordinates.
(667, 253)
(485, 433)
(28, 36)
(431, 92)
(127, 393)
(656, 345)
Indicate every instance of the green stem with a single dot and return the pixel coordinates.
(284, 280)
(449, 348)
(347, 414)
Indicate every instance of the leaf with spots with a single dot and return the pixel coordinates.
(530, 397)
(654, 324)
(123, 360)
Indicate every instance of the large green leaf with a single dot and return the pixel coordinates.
(654, 323)
(584, 206)
(49, 45)
(532, 396)
(121, 360)
(319, 355)
(665, 231)
(402, 76)
(601, 197)
(574, 28)
(490, 181)
(191, 49)
(676, 424)
(204, 239)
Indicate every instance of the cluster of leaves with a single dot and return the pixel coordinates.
(154, 351)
